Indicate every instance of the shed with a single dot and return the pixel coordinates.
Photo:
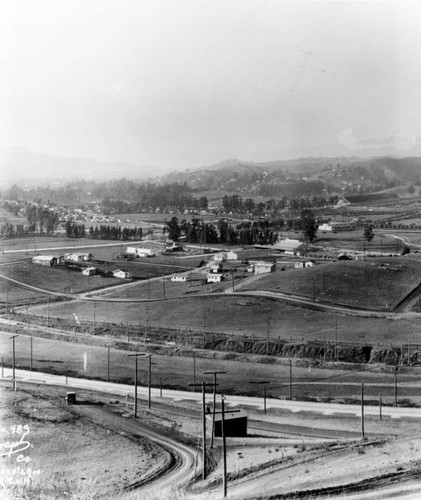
(235, 424)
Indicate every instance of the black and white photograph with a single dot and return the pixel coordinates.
(210, 249)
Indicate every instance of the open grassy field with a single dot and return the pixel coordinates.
(90, 361)
(353, 240)
(376, 283)
(242, 316)
(56, 278)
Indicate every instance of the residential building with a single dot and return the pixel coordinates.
(89, 271)
(264, 267)
(44, 260)
(180, 278)
(214, 277)
(119, 273)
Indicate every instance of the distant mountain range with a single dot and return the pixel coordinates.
(21, 165)
(346, 174)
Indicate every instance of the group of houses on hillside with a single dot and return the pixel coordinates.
(74, 259)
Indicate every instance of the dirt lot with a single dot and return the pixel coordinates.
(67, 457)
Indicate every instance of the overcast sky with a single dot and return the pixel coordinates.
(184, 83)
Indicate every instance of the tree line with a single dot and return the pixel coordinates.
(236, 204)
(261, 232)
(103, 232)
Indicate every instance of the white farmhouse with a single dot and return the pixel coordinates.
(89, 271)
(119, 273)
(264, 267)
(214, 277)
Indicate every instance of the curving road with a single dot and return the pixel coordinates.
(186, 461)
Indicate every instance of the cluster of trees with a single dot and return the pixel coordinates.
(103, 232)
(262, 232)
(10, 230)
(42, 218)
(236, 204)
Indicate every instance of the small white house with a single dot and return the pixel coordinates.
(215, 268)
(141, 251)
(89, 271)
(78, 257)
(298, 265)
(231, 256)
(220, 257)
(180, 278)
(44, 260)
(119, 273)
(264, 267)
(214, 277)
(309, 263)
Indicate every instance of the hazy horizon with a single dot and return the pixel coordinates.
(175, 85)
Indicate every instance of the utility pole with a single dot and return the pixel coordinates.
(194, 369)
(203, 385)
(214, 373)
(362, 410)
(396, 385)
(135, 380)
(224, 445)
(108, 363)
(204, 328)
(264, 383)
(267, 336)
(336, 339)
(149, 380)
(13, 361)
(147, 321)
(163, 284)
(30, 366)
(290, 380)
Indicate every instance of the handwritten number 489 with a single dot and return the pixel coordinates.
(19, 429)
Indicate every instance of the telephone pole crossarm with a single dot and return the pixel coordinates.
(214, 373)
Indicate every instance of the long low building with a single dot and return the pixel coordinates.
(45, 260)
